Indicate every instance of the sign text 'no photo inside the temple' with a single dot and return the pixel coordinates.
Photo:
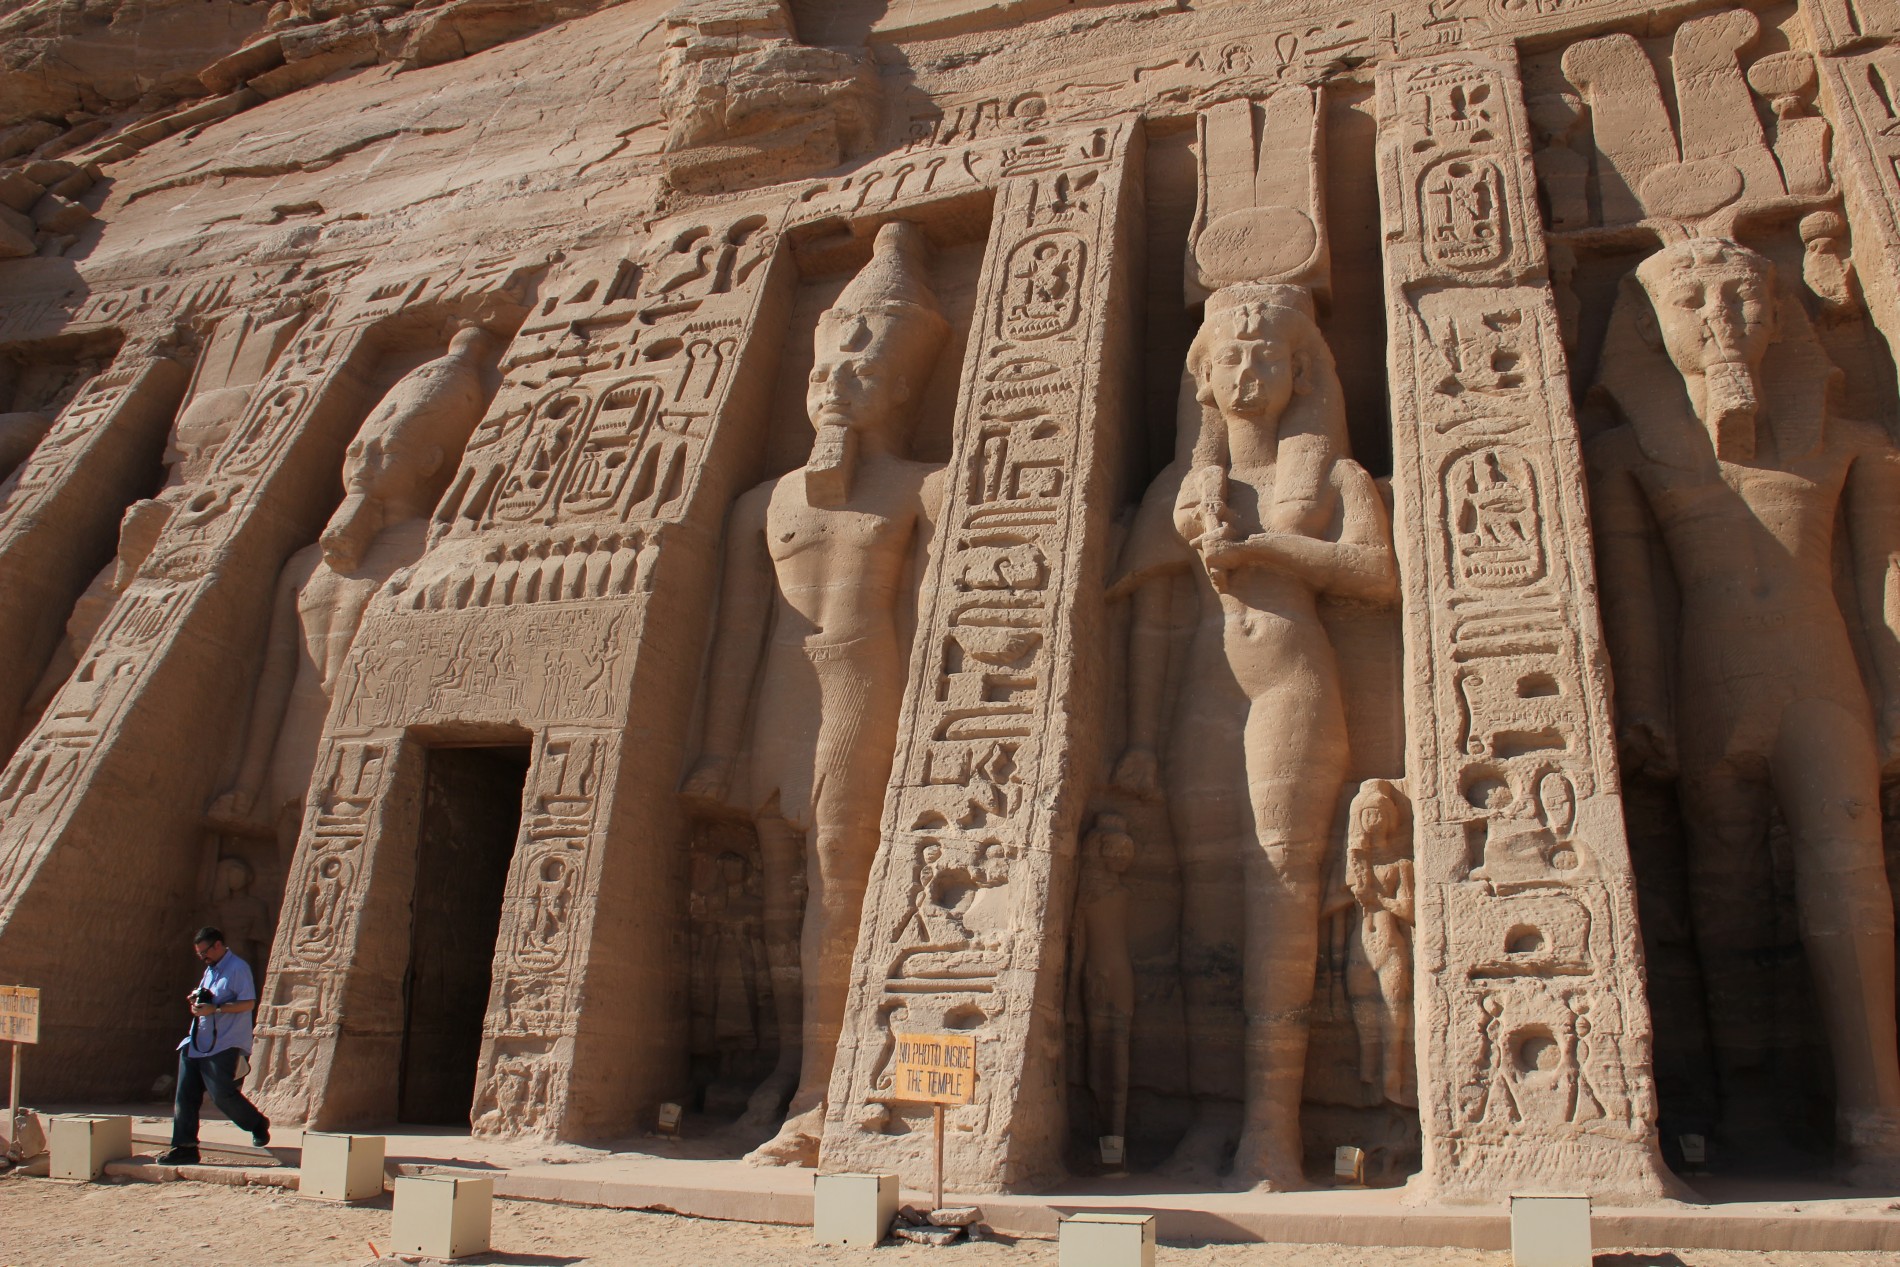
(935, 1068)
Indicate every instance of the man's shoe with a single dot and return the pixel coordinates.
(178, 1157)
(261, 1138)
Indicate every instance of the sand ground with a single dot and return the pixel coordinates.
(49, 1223)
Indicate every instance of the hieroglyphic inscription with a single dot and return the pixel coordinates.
(298, 1015)
(534, 1000)
(1525, 917)
(1859, 92)
(964, 935)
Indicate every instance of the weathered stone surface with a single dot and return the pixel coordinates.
(1305, 576)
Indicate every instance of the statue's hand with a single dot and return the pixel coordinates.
(1220, 552)
(1648, 745)
(709, 782)
(1138, 773)
(234, 811)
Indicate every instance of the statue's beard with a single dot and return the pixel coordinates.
(1730, 403)
(834, 459)
(347, 537)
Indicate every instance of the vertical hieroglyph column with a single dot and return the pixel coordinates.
(966, 918)
(564, 604)
(59, 514)
(1534, 1032)
(1860, 77)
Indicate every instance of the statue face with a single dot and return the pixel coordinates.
(1713, 314)
(1250, 378)
(389, 465)
(849, 389)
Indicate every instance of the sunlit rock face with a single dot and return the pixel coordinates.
(1307, 577)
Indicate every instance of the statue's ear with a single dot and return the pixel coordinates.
(434, 462)
(902, 388)
(1302, 373)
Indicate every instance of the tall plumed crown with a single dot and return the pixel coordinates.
(888, 312)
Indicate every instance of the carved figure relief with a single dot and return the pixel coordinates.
(1104, 972)
(815, 564)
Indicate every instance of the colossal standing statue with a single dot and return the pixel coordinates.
(827, 559)
(1274, 514)
(1734, 460)
(393, 473)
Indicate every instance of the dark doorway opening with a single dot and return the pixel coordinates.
(471, 813)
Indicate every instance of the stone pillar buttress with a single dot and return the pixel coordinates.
(999, 722)
(59, 516)
(1533, 1029)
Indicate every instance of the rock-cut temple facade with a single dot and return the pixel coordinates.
(1305, 574)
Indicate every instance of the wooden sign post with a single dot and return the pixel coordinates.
(19, 1025)
(935, 1069)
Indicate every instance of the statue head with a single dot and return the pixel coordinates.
(1113, 846)
(1254, 351)
(1712, 309)
(873, 352)
(1260, 364)
(234, 878)
(1376, 819)
(393, 469)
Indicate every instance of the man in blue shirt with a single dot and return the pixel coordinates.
(208, 1057)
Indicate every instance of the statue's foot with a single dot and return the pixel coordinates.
(1872, 1143)
(796, 1143)
(1259, 1167)
(1198, 1158)
(766, 1103)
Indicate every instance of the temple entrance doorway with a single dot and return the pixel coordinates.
(471, 814)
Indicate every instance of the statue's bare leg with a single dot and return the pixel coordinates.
(1283, 879)
(1731, 899)
(779, 849)
(859, 723)
(1208, 812)
(1827, 778)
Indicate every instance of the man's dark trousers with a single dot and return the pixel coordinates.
(218, 1075)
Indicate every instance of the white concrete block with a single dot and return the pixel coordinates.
(1107, 1240)
(1550, 1230)
(341, 1167)
(854, 1210)
(439, 1216)
(82, 1143)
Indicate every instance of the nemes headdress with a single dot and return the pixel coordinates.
(887, 312)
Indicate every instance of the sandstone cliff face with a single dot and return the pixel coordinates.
(1104, 528)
